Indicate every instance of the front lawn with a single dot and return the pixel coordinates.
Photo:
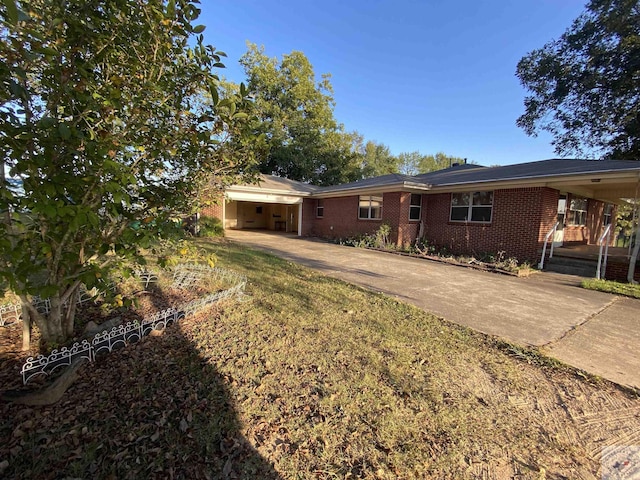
(311, 377)
(626, 289)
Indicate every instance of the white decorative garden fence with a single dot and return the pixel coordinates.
(122, 335)
(12, 312)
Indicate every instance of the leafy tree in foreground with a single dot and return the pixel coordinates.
(304, 140)
(105, 126)
(585, 88)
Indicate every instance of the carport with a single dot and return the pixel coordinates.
(274, 204)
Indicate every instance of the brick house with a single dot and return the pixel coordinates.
(465, 208)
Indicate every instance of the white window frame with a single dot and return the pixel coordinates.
(320, 208)
(413, 207)
(470, 206)
(582, 213)
(370, 199)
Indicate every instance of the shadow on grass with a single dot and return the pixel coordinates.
(155, 409)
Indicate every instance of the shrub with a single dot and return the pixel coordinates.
(210, 227)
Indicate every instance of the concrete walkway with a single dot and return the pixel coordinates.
(596, 332)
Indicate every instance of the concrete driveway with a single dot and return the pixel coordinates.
(593, 331)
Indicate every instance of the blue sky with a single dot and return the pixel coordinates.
(415, 75)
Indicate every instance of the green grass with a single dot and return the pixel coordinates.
(364, 386)
(626, 289)
(311, 377)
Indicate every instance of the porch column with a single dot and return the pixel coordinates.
(224, 212)
(300, 219)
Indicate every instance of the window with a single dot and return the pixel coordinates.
(471, 207)
(578, 211)
(606, 216)
(319, 208)
(416, 206)
(370, 207)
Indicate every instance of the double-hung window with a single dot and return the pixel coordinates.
(471, 207)
(415, 207)
(578, 211)
(319, 208)
(370, 207)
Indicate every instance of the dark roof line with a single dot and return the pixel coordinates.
(460, 175)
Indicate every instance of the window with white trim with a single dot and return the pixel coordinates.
(319, 208)
(471, 207)
(578, 211)
(416, 206)
(370, 207)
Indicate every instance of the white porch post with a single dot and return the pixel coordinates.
(300, 219)
(224, 212)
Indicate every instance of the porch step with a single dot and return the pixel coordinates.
(572, 266)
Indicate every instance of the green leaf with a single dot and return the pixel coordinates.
(49, 210)
(199, 29)
(12, 11)
(214, 93)
(47, 51)
(65, 131)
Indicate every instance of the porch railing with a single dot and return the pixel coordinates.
(546, 241)
(603, 241)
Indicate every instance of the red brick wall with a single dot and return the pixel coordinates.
(395, 212)
(308, 216)
(341, 220)
(213, 210)
(520, 219)
(618, 271)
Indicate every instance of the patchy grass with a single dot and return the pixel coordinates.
(626, 289)
(315, 378)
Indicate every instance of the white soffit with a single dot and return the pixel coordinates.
(263, 198)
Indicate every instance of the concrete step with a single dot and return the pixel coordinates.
(572, 266)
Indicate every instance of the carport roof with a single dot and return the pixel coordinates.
(273, 184)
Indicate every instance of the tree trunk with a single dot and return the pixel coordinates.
(55, 330)
(26, 328)
(70, 313)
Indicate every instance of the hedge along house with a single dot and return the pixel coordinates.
(468, 209)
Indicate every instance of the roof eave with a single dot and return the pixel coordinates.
(540, 180)
(370, 189)
(275, 191)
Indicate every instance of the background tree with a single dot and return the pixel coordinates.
(304, 140)
(415, 163)
(104, 123)
(585, 88)
(377, 160)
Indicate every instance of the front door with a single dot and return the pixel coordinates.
(558, 236)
